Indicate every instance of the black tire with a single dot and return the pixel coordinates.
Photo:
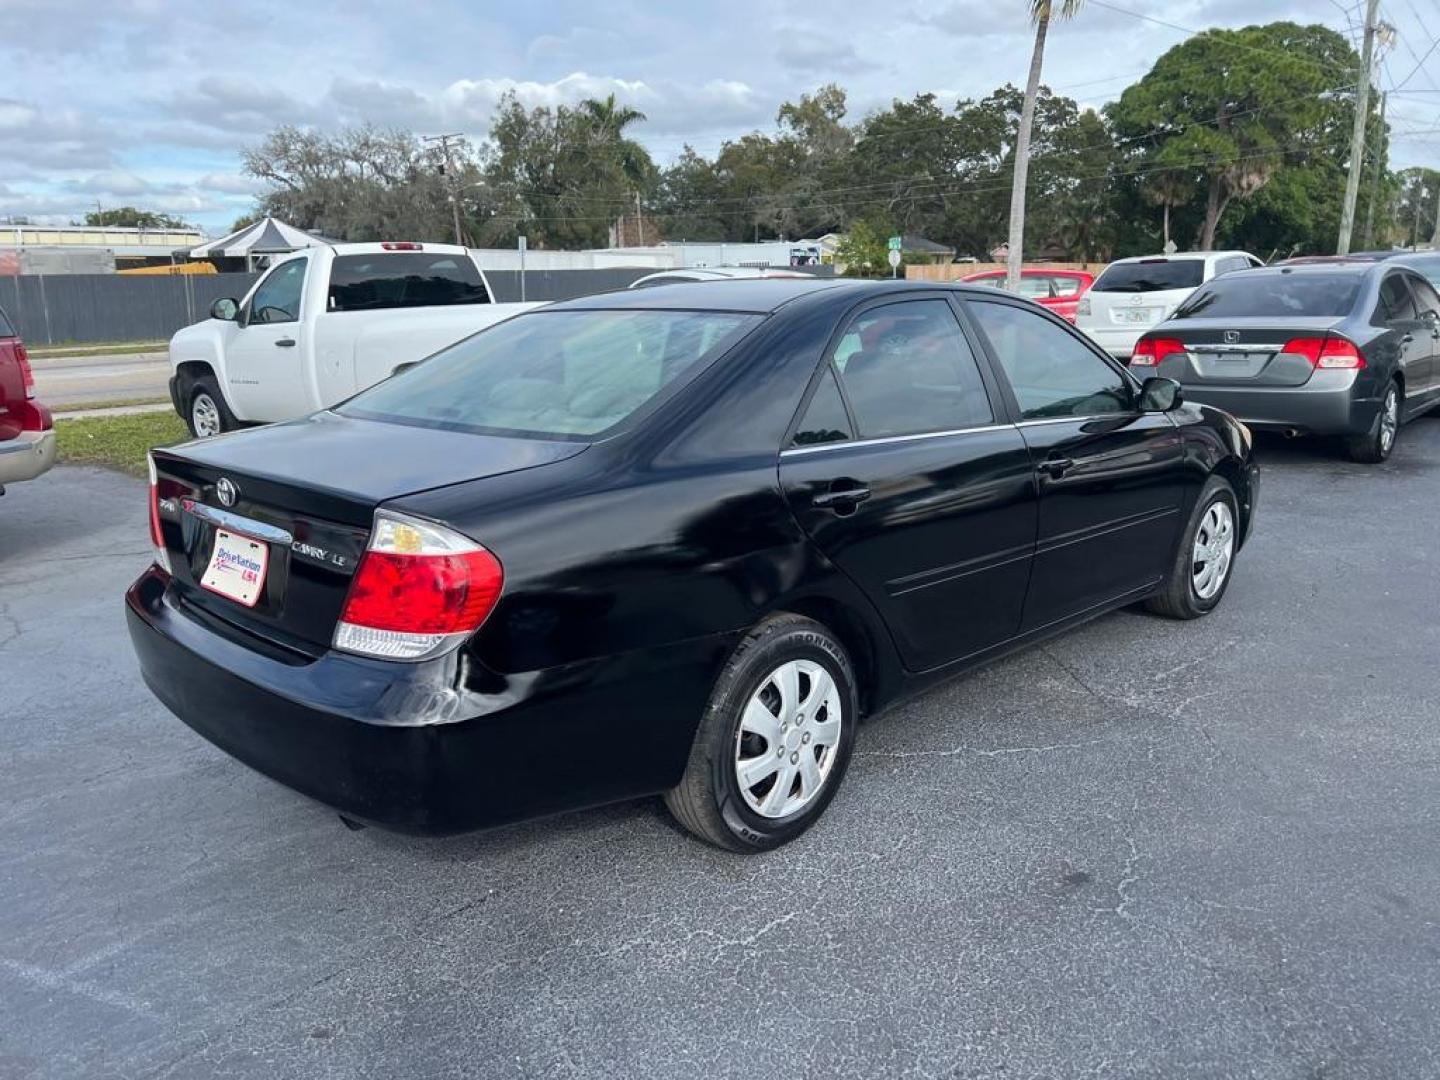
(708, 801)
(1179, 598)
(1374, 447)
(204, 388)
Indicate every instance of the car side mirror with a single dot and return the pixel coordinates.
(1159, 394)
(225, 309)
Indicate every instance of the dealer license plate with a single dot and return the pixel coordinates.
(237, 568)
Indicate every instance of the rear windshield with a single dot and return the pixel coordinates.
(6, 330)
(403, 279)
(1429, 265)
(1150, 276)
(1272, 294)
(553, 374)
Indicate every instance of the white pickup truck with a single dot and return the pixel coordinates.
(323, 324)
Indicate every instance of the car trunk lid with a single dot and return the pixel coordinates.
(294, 504)
(1241, 351)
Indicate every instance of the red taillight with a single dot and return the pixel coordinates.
(419, 589)
(401, 245)
(1327, 352)
(27, 376)
(1150, 351)
(157, 535)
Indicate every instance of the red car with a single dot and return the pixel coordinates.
(27, 433)
(1058, 290)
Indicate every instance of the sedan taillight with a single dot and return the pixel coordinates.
(1330, 351)
(420, 589)
(1150, 351)
(157, 535)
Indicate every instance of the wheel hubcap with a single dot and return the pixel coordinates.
(1214, 548)
(788, 738)
(1389, 420)
(205, 416)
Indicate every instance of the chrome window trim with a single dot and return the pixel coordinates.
(887, 439)
(1041, 421)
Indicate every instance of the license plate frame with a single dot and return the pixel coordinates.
(238, 568)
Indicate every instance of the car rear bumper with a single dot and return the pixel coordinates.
(1118, 341)
(26, 456)
(1327, 404)
(436, 747)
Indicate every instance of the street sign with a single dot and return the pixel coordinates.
(894, 258)
(895, 244)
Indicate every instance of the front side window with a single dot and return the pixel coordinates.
(1396, 303)
(277, 298)
(553, 374)
(907, 369)
(1051, 373)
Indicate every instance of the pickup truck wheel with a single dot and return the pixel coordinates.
(207, 413)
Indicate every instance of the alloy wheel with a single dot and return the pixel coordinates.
(788, 739)
(204, 416)
(1389, 420)
(1213, 550)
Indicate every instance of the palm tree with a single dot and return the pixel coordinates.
(608, 121)
(1041, 12)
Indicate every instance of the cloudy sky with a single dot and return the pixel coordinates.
(148, 102)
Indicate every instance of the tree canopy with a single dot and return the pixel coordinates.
(1233, 138)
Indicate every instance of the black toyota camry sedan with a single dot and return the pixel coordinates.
(678, 540)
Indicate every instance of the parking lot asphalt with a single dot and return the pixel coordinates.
(1146, 849)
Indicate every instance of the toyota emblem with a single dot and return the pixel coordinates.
(226, 491)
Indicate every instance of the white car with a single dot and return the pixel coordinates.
(712, 273)
(322, 325)
(1132, 295)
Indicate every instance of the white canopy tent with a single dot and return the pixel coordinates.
(268, 236)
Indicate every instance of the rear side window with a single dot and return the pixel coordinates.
(825, 418)
(1426, 300)
(1322, 294)
(6, 329)
(1150, 275)
(908, 369)
(553, 374)
(403, 279)
(1051, 372)
(1396, 303)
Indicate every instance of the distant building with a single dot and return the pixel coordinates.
(87, 249)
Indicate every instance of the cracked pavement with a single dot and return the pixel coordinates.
(1144, 849)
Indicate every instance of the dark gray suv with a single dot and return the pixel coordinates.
(1344, 348)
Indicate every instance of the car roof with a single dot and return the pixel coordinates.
(1179, 256)
(1351, 268)
(758, 295)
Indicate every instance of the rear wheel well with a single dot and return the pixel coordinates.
(851, 630)
(1233, 473)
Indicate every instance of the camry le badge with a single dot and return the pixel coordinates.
(226, 491)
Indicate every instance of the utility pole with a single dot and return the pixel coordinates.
(1357, 134)
(1435, 237)
(1369, 241)
(447, 170)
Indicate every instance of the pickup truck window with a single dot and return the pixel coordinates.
(401, 280)
(564, 374)
(277, 298)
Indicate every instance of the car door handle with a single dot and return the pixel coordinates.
(1057, 466)
(284, 342)
(839, 498)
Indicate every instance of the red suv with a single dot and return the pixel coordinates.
(27, 433)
